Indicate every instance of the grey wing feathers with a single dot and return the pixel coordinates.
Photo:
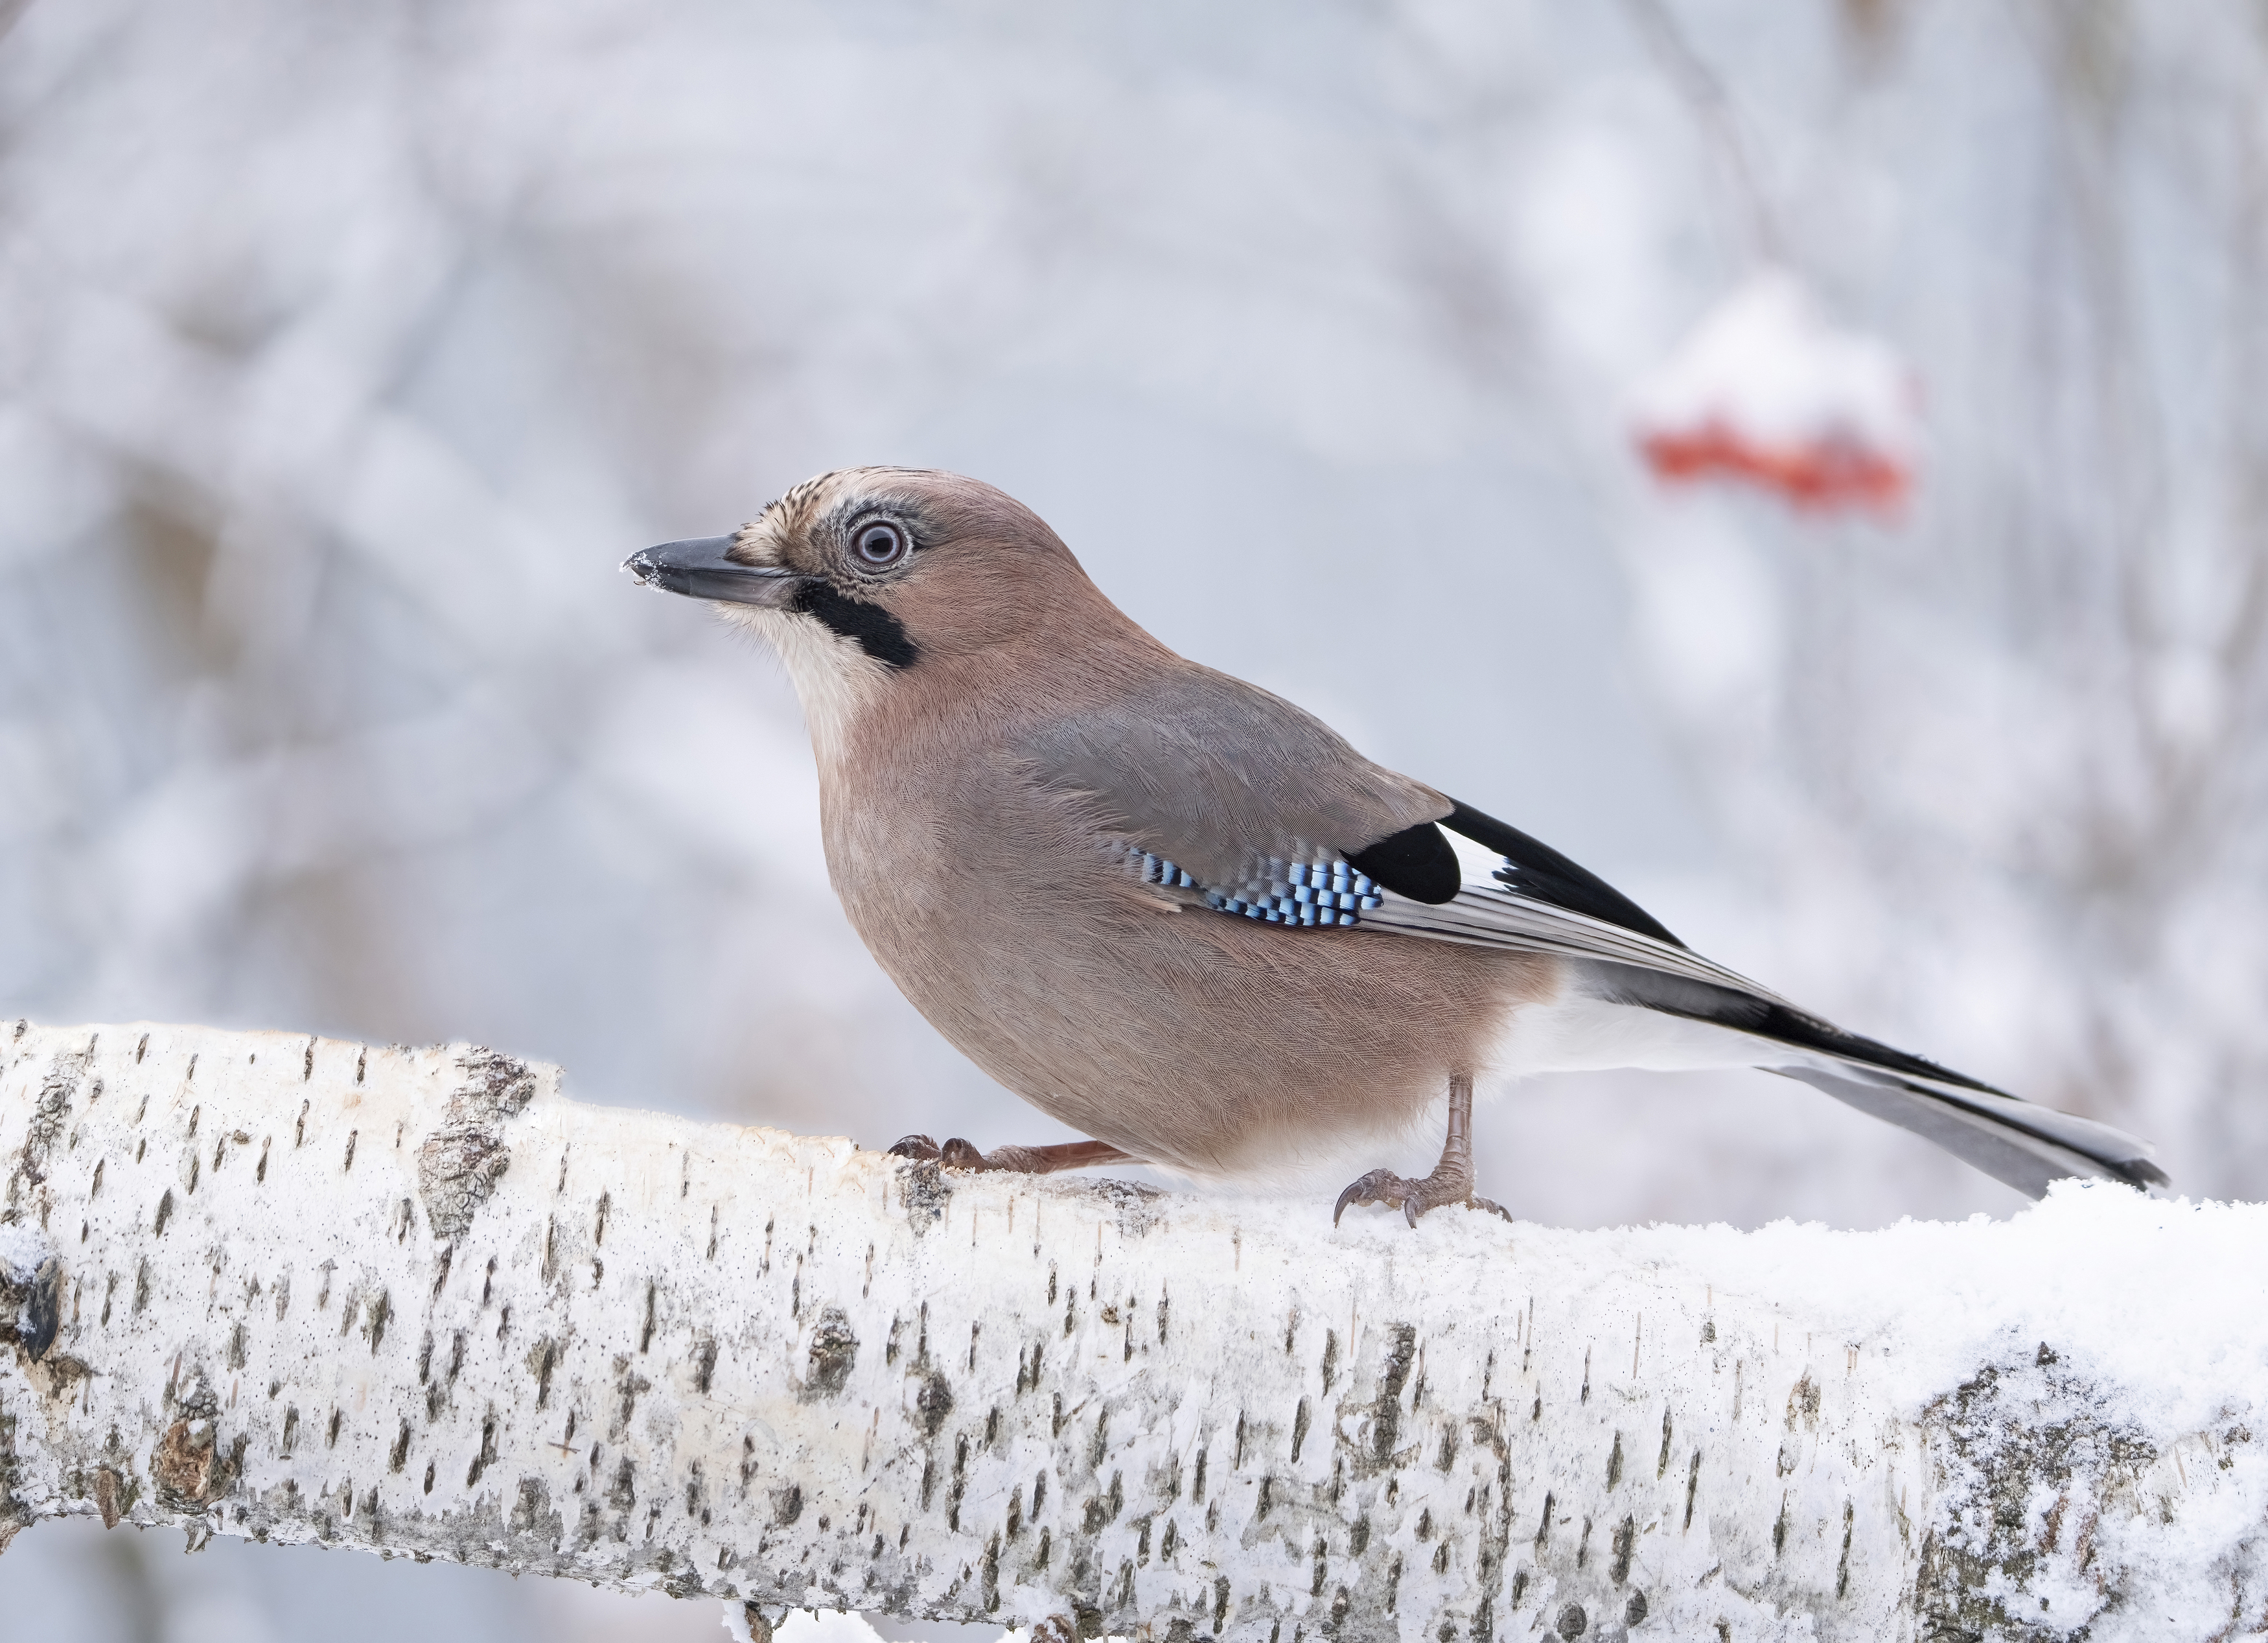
(1221, 778)
(2015, 1141)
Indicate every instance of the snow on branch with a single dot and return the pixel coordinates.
(416, 1302)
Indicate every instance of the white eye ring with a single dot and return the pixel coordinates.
(879, 543)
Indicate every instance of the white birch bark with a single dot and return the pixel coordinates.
(414, 1301)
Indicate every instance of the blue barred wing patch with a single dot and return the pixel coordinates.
(1309, 894)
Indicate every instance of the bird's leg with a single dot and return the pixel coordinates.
(1451, 1181)
(1026, 1160)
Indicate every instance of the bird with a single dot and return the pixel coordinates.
(1185, 917)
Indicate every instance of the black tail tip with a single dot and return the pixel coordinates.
(2138, 1173)
(2142, 1173)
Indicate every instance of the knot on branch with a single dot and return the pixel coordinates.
(30, 1289)
(459, 1163)
(50, 1107)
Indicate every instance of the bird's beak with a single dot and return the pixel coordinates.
(699, 570)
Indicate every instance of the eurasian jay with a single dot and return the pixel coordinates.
(1188, 919)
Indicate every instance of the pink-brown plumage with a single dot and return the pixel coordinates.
(1007, 767)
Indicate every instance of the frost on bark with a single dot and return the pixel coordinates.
(414, 1301)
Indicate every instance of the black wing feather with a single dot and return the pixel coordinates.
(1534, 869)
(1417, 862)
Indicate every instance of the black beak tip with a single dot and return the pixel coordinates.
(702, 569)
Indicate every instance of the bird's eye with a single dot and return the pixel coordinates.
(878, 544)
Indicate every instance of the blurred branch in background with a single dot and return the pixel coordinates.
(1713, 112)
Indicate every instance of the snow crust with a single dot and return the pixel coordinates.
(22, 1249)
(2165, 1299)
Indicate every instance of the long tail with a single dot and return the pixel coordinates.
(2019, 1142)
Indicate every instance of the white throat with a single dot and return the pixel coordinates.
(834, 679)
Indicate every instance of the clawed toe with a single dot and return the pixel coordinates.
(1413, 1198)
(1451, 1181)
(1021, 1160)
(955, 1154)
(1379, 1186)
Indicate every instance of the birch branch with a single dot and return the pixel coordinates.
(414, 1301)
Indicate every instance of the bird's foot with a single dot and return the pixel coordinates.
(958, 1154)
(1413, 1198)
(1451, 1181)
(1023, 1160)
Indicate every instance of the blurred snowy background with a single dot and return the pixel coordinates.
(345, 350)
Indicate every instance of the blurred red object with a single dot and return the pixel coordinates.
(1767, 390)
